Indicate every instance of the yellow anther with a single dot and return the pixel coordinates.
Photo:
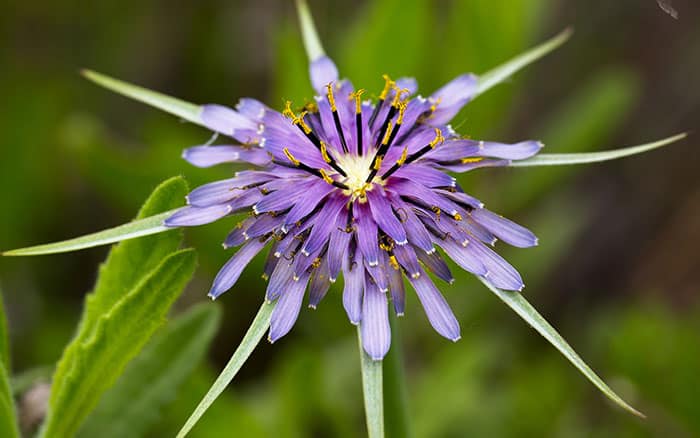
(317, 262)
(387, 134)
(397, 97)
(378, 162)
(437, 211)
(325, 176)
(435, 104)
(324, 152)
(458, 217)
(402, 111)
(357, 95)
(311, 107)
(388, 85)
(331, 98)
(404, 156)
(393, 262)
(300, 121)
(470, 160)
(438, 138)
(291, 157)
(288, 110)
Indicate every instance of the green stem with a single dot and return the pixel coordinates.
(396, 400)
(373, 391)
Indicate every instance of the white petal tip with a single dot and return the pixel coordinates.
(456, 339)
(312, 306)
(399, 315)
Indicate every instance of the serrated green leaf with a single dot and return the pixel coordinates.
(185, 110)
(312, 43)
(499, 74)
(98, 357)
(251, 339)
(152, 379)
(8, 417)
(524, 309)
(373, 391)
(594, 157)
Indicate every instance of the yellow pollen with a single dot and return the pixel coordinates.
(324, 152)
(458, 217)
(378, 162)
(331, 98)
(388, 85)
(438, 138)
(325, 176)
(397, 97)
(402, 111)
(433, 107)
(291, 157)
(393, 262)
(470, 160)
(404, 156)
(357, 95)
(317, 262)
(389, 128)
(288, 110)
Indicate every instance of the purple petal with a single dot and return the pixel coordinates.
(426, 175)
(398, 292)
(319, 284)
(307, 203)
(517, 151)
(500, 273)
(283, 198)
(436, 308)
(407, 258)
(452, 97)
(379, 272)
(374, 327)
(281, 280)
(409, 84)
(466, 167)
(366, 231)
(231, 271)
(190, 216)
(285, 313)
(207, 156)
(417, 234)
(464, 257)
(322, 71)
(262, 225)
(353, 277)
(222, 191)
(321, 232)
(252, 109)
(436, 265)
(229, 122)
(337, 247)
(422, 195)
(237, 236)
(384, 216)
(507, 230)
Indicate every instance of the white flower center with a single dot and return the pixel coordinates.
(357, 169)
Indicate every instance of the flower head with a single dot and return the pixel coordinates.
(359, 187)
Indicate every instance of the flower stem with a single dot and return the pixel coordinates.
(373, 392)
(396, 403)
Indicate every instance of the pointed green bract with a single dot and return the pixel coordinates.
(8, 416)
(168, 196)
(372, 390)
(180, 108)
(594, 157)
(251, 339)
(312, 43)
(154, 377)
(499, 74)
(522, 307)
(135, 290)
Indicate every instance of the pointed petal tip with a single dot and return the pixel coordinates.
(456, 338)
(312, 306)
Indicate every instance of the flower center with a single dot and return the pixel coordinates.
(358, 169)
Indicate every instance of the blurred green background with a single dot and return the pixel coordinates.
(615, 272)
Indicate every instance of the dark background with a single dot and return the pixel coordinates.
(615, 272)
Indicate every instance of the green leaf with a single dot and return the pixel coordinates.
(593, 157)
(8, 417)
(499, 74)
(519, 304)
(135, 289)
(372, 389)
(251, 339)
(155, 376)
(184, 110)
(99, 357)
(312, 43)
(167, 196)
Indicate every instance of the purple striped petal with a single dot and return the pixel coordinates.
(337, 248)
(466, 167)
(452, 97)
(319, 284)
(465, 258)
(354, 283)
(500, 273)
(227, 121)
(286, 312)
(384, 216)
(426, 175)
(374, 327)
(366, 232)
(223, 191)
(263, 225)
(436, 265)
(517, 151)
(207, 156)
(311, 199)
(415, 230)
(252, 109)
(507, 230)
(436, 308)
(379, 272)
(322, 71)
(407, 258)
(191, 216)
(321, 232)
(398, 291)
(237, 236)
(231, 271)
(281, 280)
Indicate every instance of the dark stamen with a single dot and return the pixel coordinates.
(317, 172)
(336, 117)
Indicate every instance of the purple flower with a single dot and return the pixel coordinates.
(359, 187)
